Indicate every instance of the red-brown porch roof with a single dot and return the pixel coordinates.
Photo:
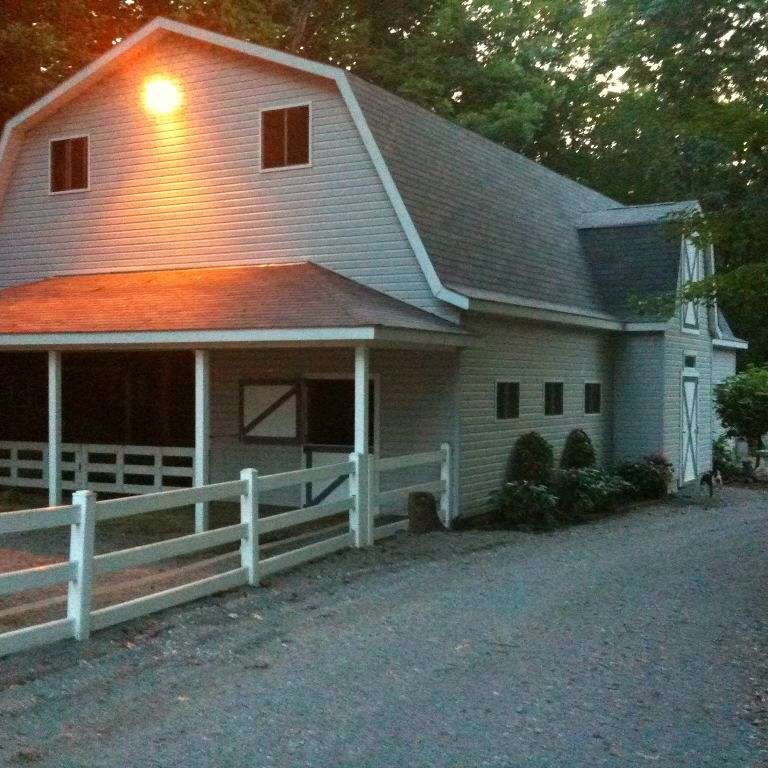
(285, 296)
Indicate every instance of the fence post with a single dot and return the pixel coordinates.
(82, 534)
(447, 491)
(373, 496)
(359, 516)
(249, 517)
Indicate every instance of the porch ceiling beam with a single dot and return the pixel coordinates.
(54, 429)
(202, 432)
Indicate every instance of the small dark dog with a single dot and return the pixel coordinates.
(711, 479)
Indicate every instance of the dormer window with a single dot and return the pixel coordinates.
(69, 164)
(285, 137)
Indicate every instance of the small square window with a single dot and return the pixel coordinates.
(507, 400)
(689, 361)
(285, 137)
(553, 398)
(69, 164)
(592, 397)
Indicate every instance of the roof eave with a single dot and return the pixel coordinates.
(730, 344)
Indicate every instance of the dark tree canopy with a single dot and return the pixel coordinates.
(643, 100)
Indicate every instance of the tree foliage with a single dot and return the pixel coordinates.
(742, 404)
(645, 100)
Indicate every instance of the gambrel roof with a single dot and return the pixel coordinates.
(488, 226)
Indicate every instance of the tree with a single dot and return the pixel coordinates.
(742, 405)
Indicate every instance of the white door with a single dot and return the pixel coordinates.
(690, 429)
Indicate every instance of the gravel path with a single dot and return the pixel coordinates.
(635, 641)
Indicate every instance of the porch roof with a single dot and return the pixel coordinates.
(296, 301)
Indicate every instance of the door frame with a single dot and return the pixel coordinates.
(689, 375)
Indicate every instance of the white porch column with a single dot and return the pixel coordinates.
(202, 431)
(54, 429)
(361, 523)
(362, 394)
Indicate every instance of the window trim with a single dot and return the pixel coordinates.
(274, 108)
(496, 383)
(66, 137)
(599, 384)
(544, 392)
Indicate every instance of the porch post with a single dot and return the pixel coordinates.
(202, 432)
(362, 377)
(54, 428)
(361, 523)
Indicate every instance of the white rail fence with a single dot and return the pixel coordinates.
(102, 468)
(85, 513)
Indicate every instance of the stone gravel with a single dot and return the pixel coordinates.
(638, 640)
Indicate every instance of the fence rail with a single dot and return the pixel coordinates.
(362, 507)
(100, 467)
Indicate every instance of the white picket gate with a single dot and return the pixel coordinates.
(83, 515)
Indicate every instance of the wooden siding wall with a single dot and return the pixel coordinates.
(531, 354)
(677, 344)
(415, 403)
(723, 366)
(188, 191)
(638, 393)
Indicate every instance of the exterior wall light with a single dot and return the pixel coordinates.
(161, 95)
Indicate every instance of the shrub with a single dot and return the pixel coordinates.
(724, 459)
(578, 451)
(649, 476)
(531, 460)
(528, 505)
(741, 402)
(589, 491)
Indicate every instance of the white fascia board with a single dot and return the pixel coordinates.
(185, 338)
(232, 338)
(71, 87)
(729, 344)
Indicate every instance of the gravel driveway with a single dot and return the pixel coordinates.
(635, 641)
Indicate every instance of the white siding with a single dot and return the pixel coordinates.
(188, 191)
(677, 344)
(531, 354)
(638, 395)
(723, 367)
(415, 401)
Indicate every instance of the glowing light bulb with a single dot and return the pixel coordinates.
(161, 95)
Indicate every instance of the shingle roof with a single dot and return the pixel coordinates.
(632, 262)
(489, 218)
(295, 295)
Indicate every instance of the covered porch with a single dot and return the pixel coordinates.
(130, 383)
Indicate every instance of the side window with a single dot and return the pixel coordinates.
(553, 398)
(592, 397)
(507, 399)
(285, 137)
(691, 273)
(69, 164)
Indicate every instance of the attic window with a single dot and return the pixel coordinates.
(69, 164)
(285, 137)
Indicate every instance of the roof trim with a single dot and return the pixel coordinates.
(489, 302)
(732, 344)
(70, 88)
(233, 338)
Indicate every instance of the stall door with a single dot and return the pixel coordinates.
(690, 429)
(330, 432)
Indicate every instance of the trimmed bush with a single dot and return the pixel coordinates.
(531, 460)
(589, 491)
(724, 459)
(527, 505)
(578, 451)
(649, 476)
